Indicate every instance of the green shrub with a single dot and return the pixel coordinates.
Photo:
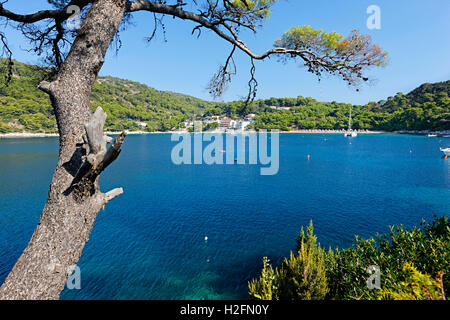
(427, 248)
(301, 277)
(416, 286)
(408, 260)
(263, 287)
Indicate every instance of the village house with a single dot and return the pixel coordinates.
(141, 124)
(226, 123)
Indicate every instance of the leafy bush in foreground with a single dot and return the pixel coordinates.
(416, 286)
(408, 259)
(301, 277)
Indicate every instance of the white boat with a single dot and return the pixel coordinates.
(446, 151)
(350, 132)
(432, 135)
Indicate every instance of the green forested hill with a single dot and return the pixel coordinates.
(126, 102)
(25, 108)
(425, 108)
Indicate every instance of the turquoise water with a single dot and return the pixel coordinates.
(149, 242)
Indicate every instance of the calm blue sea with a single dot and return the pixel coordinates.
(149, 243)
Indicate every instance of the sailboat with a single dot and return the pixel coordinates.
(350, 132)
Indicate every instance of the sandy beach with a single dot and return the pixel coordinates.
(315, 131)
(43, 135)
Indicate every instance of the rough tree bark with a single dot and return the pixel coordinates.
(74, 198)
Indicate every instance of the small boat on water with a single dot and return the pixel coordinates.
(431, 135)
(350, 132)
(446, 151)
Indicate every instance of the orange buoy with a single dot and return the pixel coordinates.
(445, 157)
(308, 156)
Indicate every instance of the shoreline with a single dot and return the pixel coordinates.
(46, 135)
(311, 131)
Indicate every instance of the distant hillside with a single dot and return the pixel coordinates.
(25, 108)
(425, 108)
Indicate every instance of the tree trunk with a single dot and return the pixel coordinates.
(74, 198)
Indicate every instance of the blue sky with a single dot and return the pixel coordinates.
(416, 33)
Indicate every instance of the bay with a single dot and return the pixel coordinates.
(149, 243)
